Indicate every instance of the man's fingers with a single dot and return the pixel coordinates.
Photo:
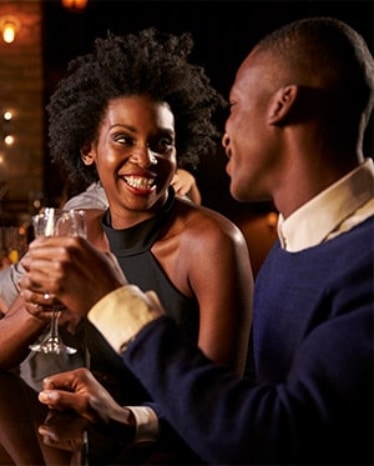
(68, 380)
(57, 399)
(61, 400)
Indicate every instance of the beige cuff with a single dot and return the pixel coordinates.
(121, 314)
(146, 423)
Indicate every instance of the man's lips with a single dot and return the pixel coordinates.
(228, 165)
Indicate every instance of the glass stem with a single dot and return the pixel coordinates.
(54, 325)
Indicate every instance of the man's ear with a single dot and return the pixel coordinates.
(283, 104)
(87, 155)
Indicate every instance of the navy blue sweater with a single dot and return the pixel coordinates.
(313, 345)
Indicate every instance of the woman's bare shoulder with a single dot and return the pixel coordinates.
(206, 225)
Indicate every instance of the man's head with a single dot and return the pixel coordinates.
(307, 88)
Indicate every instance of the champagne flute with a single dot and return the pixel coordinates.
(56, 222)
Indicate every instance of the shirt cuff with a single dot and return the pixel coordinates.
(146, 423)
(121, 314)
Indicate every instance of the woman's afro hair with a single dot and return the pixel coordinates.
(151, 63)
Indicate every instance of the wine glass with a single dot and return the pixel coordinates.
(56, 222)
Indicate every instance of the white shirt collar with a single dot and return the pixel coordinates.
(342, 205)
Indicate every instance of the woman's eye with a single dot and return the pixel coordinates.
(164, 143)
(123, 139)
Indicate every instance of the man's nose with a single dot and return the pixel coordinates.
(225, 140)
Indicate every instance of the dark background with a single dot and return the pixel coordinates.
(223, 31)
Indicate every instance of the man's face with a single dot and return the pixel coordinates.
(248, 139)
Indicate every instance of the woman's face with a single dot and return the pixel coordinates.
(135, 157)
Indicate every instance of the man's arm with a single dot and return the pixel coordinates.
(313, 413)
(185, 186)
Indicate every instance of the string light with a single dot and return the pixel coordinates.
(8, 136)
(9, 139)
(8, 115)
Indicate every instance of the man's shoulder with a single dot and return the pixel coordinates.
(359, 237)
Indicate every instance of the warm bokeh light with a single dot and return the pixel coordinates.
(9, 26)
(75, 4)
(9, 33)
(7, 115)
(9, 140)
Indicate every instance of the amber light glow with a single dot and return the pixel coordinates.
(9, 26)
(75, 4)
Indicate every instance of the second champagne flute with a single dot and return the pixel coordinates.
(57, 222)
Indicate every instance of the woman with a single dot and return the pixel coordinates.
(127, 115)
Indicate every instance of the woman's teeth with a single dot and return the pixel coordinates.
(139, 182)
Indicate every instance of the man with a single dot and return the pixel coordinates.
(300, 104)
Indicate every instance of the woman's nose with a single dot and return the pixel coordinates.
(143, 157)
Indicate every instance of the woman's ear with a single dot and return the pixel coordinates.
(282, 105)
(87, 155)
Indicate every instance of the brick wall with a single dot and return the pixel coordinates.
(21, 92)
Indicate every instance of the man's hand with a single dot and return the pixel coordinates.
(184, 184)
(72, 270)
(80, 391)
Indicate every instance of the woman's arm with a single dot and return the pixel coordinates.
(221, 277)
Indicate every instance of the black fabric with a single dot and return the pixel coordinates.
(132, 247)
